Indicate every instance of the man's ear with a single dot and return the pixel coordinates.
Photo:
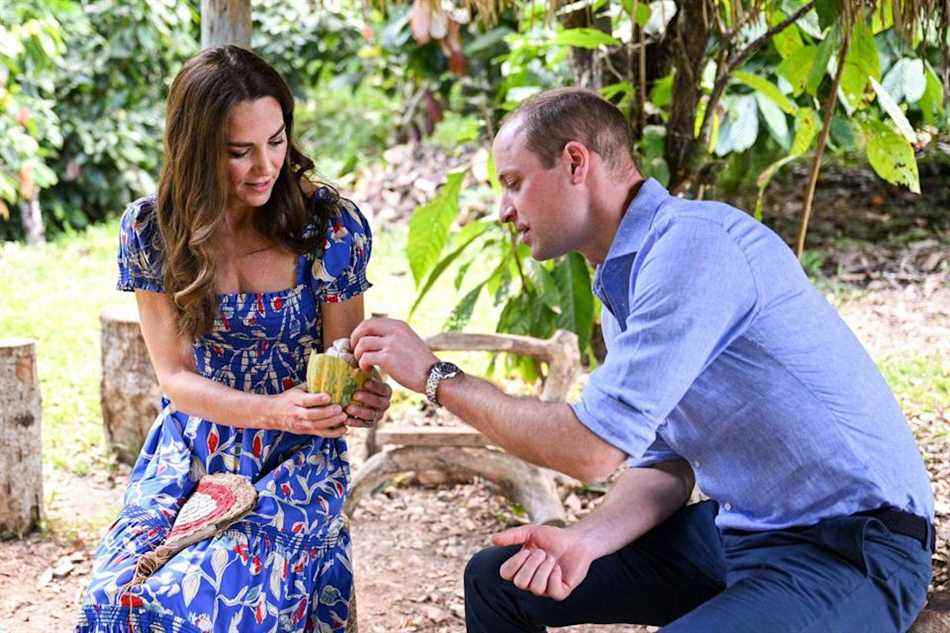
(577, 159)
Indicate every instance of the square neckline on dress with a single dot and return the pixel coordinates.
(225, 298)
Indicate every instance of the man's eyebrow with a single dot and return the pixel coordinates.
(241, 144)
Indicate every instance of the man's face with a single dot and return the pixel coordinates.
(541, 203)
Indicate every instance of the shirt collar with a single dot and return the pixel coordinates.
(637, 220)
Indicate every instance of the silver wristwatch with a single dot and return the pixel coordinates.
(437, 373)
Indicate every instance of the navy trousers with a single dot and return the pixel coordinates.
(848, 574)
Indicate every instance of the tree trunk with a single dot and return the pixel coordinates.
(586, 65)
(688, 39)
(31, 218)
(131, 398)
(21, 449)
(226, 22)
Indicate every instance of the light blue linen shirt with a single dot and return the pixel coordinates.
(721, 352)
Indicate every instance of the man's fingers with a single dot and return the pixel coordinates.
(556, 588)
(511, 566)
(378, 387)
(368, 344)
(377, 326)
(522, 579)
(513, 536)
(370, 400)
(361, 413)
(370, 359)
(539, 583)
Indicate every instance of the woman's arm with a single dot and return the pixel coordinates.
(294, 410)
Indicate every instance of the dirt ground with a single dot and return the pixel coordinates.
(411, 541)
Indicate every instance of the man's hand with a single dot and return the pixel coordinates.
(395, 348)
(552, 562)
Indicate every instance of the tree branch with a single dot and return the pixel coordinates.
(737, 60)
(822, 139)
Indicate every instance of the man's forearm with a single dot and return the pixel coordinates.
(543, 433)
(641, 499)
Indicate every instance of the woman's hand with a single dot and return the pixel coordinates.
(304, 413)
(369, 404)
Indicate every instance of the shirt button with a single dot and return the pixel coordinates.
(727, 506)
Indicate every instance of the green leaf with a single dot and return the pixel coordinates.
(767, 88)
(643, 11)
(807, 125)
(740, 127)
(577, 303)
(775, 119)
(624, 88)
(788, 40)
(585, 38)
(931, 102)
(797, 66)
(819, 66)
(891, 156)
(429, 227)
(462, 312)
(662, 92)
(894, 111)
(828, 12)
(469, 233)
(861, 63)
(543, 282)
(765, 177)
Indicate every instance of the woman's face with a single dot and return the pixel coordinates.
(256, 144)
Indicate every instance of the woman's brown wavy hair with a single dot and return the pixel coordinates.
(193, 188)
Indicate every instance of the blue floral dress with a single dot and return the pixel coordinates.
(286, 565)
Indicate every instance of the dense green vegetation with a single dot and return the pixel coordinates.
(716, 91)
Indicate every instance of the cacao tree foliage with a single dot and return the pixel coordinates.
(755, 83)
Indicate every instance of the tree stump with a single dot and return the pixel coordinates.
(131, 397)
(935, 617)
(21, 449)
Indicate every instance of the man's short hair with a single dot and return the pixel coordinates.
(553, 118)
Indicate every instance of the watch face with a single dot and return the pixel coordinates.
(447, 369)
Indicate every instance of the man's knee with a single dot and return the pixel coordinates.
(484, 568)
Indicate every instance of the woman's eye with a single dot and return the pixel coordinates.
(238, 154)
(277, 142)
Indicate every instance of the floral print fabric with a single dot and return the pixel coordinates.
(286, 565)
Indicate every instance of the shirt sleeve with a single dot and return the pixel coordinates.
(140, 253)
(691, 293)
(658, 452)
(340, 270)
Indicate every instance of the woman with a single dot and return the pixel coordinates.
(240, 267)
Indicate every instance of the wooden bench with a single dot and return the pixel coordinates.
(462, 449)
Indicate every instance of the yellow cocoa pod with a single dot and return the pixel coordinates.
(335, 377)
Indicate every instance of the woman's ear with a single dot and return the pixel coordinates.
(577, 158)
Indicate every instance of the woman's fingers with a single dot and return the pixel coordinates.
(321, 415)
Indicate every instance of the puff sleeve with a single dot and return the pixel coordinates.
(140, 254)
(339, 271)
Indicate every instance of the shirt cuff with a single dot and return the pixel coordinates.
(614, 421)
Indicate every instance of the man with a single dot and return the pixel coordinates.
(723, 364)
